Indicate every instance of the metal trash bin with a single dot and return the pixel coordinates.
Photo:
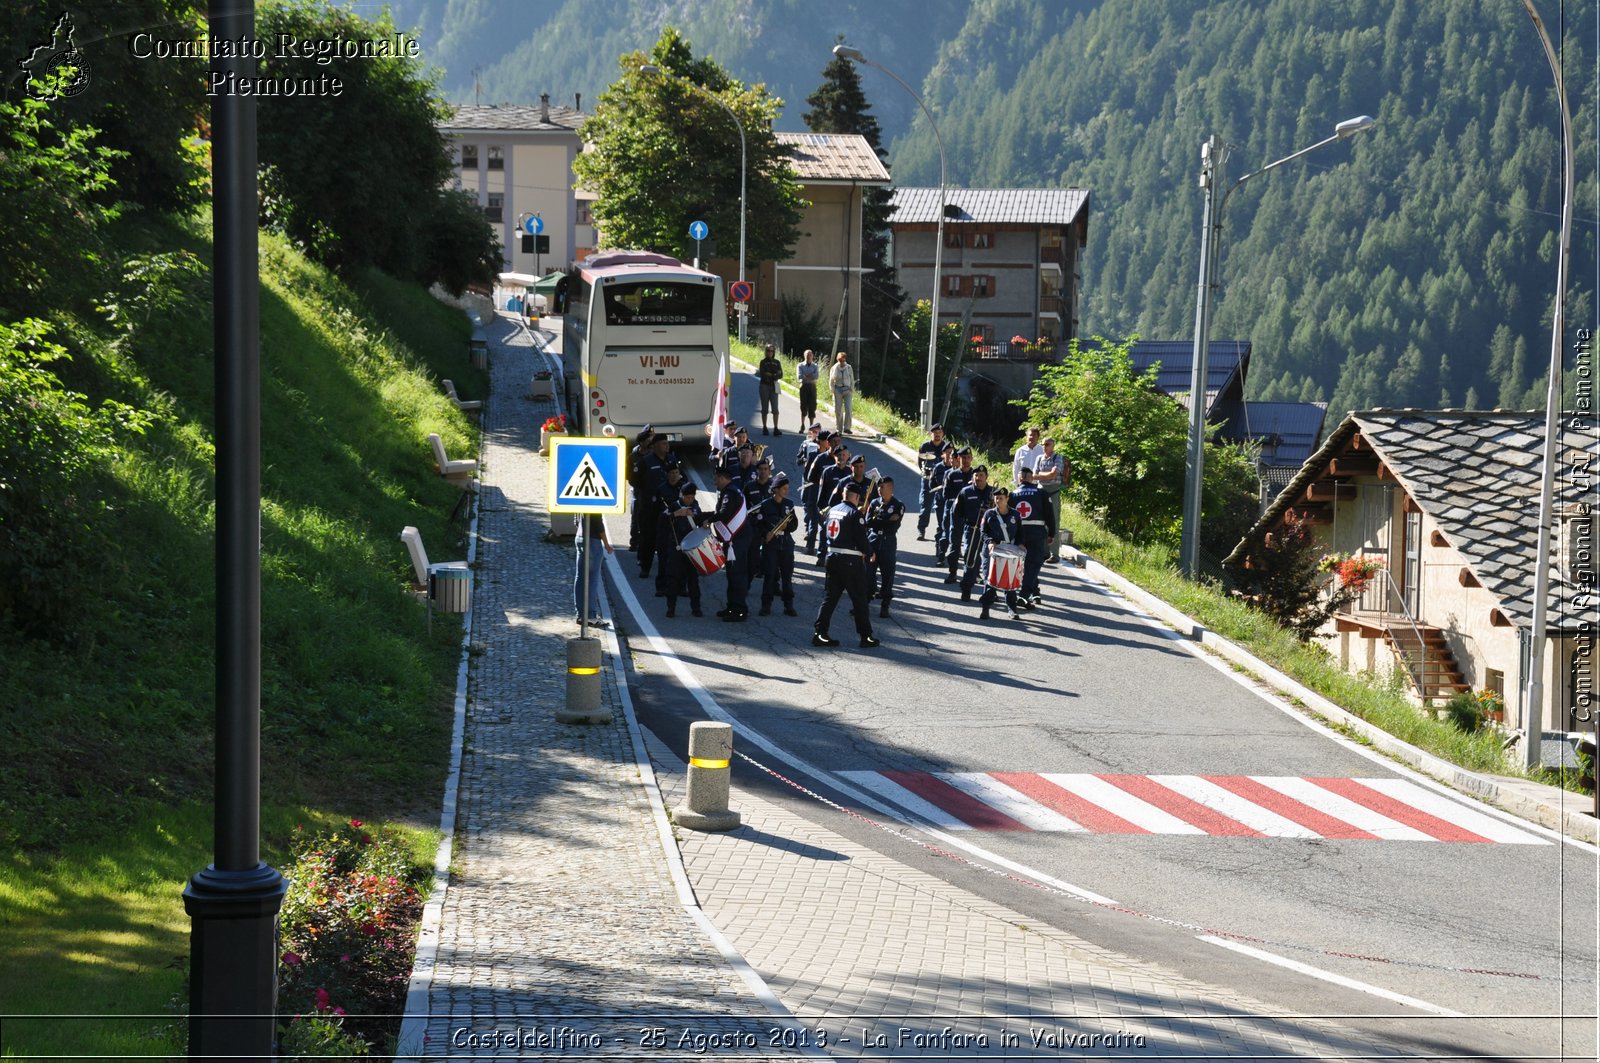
(479, 351)
(450, 587)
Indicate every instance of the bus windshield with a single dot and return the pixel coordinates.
(658, 303)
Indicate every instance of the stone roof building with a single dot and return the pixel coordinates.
(1447, 501)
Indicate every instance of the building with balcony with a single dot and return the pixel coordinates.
(1446, 503)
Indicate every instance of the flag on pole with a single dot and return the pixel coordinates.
(719, 409)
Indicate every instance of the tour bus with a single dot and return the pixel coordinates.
(642, 340)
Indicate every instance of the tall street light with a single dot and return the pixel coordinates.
(1533, 710)
(854, 55)
(1213, 158)
(651, 68)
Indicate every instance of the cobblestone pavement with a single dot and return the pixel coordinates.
(561, 924)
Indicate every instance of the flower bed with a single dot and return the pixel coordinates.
(348, 933)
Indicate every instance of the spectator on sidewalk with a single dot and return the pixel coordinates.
(842, 379)
(1026, 455)
(1052, 472)
(806, 374)
(768, 374)
(589, 527)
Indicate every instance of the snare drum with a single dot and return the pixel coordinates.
(703, 550)
(1005, 566)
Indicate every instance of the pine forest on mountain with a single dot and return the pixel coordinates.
(1412, 265)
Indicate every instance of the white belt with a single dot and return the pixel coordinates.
(1033, 523)
(842, 550)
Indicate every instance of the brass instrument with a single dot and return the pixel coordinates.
(779, 528)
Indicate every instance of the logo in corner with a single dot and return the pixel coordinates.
(61, 53)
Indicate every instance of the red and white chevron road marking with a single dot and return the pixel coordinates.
(1241, 806)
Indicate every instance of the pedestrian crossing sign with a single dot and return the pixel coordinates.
(587, 474)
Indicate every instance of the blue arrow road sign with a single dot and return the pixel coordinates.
(534, 225)
(699, 230)
(587, 474)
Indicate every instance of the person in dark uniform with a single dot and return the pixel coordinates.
(848, 555)
(736, 533)
(768, 373)
(678, 574)
(744, 469)
(971, 501)
(1000, 525)
(808, 449)
(776, 519)
(884, 514)
(955, 479)
(642, 503)
(1032, 507)
(666, 497)
(827, 486)
(946, 462)
(928, 456)
(756, 491)
(819, 464)
(650, 478)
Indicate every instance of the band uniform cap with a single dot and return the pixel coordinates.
(688, 489)
(859, 459)
(645, 434)
(725, 473)
(853, 488)
(834, 435)
(816, 426)
(964, 451)
(937, 427)
(780, 479)
(1025, 471)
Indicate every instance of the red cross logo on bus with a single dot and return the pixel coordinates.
(1024, 509)
(833, 529)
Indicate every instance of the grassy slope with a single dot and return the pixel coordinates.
(108, 813)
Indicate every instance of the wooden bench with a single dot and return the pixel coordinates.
(465, 407)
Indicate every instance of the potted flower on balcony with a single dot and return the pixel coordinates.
(1354, 571)
(1492, 704)
(556, 425)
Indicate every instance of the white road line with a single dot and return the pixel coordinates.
(1235, 807)
(1453, 811)
(1329, 976)
(1341, 808)
(1018, 806)
(911, 802)
(1121, 803)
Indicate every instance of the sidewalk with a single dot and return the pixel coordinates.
(570, 929)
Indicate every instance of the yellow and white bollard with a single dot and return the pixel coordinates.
(583, 684)
(705, 804)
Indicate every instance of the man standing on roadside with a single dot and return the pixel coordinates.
(806, 375)
(768, 373)
(1052, 472)
(927, 458)
(848, 555)
(842, 379)
(1026, 455)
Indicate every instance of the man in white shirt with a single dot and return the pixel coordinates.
(1027, 454)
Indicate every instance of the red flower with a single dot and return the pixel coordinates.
(320, 999)
(356, 823)
(291, 959)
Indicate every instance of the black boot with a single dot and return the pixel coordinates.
(983, 614)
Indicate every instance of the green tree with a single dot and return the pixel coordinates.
(661, 155)
(52, 183)
(1287, 577)
(147, 110)
(358, 179)
(840, 106)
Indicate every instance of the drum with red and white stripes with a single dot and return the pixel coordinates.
(1005, 566)
(704, 551)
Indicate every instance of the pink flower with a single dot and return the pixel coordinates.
(345, 958)
(291, 959)
(355, 822)
(339, 1011)
(320, 999)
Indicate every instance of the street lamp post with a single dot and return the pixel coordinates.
(1533, 710)
(1213, 157)
(744, 214)
(854, 55)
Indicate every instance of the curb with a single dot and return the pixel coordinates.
(1569, 822)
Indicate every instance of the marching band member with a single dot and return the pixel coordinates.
(848, 555)
(1000, 525)
(946, 462)
(650, 491)
(735, 532)
(955, 478)
(756, 491)
(1038, 528)
(678, 573)
(775, 523)
(884, 514)
(928, 456)
(965, 513)
(819, 463)
(839, 470)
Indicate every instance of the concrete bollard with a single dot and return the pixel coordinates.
(705, 805)
(583, 684)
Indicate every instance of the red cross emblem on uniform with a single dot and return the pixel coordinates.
(833, 529)
(1024, 509)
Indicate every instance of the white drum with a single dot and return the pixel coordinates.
(703, 550)
(1005, 566)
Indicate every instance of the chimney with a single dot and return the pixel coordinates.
(577, 101)
(544, 107)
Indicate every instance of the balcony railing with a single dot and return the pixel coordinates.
(1031, 352)
(1053, 255)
